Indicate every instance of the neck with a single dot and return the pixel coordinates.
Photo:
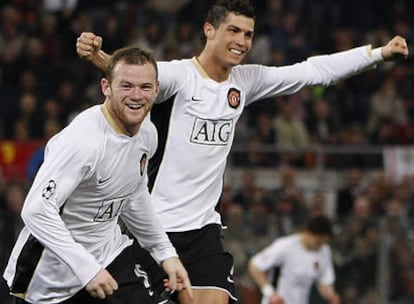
(304, 240)
(114, 122)
(214, 69)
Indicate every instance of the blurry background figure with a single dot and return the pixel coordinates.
(347, 194)
(51, 128)
(301, 260)
(291, 131)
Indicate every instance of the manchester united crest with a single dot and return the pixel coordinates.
(233, 98)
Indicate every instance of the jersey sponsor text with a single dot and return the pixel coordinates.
(211, 132)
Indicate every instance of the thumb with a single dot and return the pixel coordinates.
(97, 42)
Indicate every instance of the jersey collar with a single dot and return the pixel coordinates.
(110, 120)
(199, 67)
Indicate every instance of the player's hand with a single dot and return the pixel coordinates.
(395, 48)
(102, 285)
(276, 299)
(88, 45)
(177, 277)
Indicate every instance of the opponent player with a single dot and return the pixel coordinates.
(196, 112)
(71, 249)
(303, 259)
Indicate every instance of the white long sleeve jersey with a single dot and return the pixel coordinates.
(90, 177)
(299, 268)
(196, 119)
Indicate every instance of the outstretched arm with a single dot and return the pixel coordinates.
(88, 46)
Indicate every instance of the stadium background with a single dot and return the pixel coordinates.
(344, 150)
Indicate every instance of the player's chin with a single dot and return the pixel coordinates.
(236, 59)
(136, 117)
(232, 63)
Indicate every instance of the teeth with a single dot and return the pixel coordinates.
(238, 52)
(135, 106)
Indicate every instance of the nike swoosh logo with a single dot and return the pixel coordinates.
(229, 279)
(103, 180)
(195, 99)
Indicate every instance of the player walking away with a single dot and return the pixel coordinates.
(71, 249)
(199, 104)
(302, 259)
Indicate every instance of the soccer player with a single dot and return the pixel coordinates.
(302, 259)
(196, 111)
(71, 249)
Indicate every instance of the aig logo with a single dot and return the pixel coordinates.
(109, 209)
(211, 132)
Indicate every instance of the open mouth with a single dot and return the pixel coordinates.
(135, 106)
(236, 52)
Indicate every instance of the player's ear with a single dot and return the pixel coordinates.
(209, 30)
(105, 87)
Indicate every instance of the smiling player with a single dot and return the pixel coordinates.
(196, 111)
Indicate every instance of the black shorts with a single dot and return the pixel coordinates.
(133, 285)
(202, 252)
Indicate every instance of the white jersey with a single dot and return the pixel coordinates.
(196, 119)
(90, 177)
(299, 268)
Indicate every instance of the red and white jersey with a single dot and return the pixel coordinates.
(196, 119)
(90, 177)
(299, 268)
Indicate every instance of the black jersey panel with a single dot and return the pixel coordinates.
(160, 116)
(26, 264)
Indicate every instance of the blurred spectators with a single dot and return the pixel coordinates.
(51, 127)
(356, 247)
(249, 190)
(291, 131)
(386, 103)
(44, 84)
(323, 123)
(347, 194)
(289, 203)
(10, 224)
(317, 205)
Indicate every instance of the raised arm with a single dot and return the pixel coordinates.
(395, 48)
(88, 46)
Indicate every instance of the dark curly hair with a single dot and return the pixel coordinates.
(320, 225)
(220, 10)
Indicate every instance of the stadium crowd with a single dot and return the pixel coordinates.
(44, 84)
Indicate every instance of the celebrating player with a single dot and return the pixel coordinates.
(71, 249)
(196, 111)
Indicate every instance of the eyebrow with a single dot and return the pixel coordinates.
(232, 26)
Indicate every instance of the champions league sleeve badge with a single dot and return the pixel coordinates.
(49, 190)
(233, 98)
